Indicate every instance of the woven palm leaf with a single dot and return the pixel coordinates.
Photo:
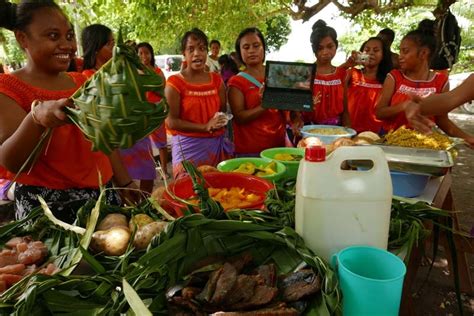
(111, 107)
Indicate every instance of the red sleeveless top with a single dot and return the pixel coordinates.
(330, 87)
(67, 160)
(267, 131)
(362, 95)
(199, 102)
(404, 87)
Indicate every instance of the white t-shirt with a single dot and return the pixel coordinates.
(213, 65)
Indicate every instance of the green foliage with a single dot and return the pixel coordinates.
(368, 24)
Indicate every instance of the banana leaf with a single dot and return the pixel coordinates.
(187, 240)
(111, 107)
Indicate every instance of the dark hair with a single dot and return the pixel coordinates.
(150, 48)
(196, 34)
(245, 32)
(320, 31)
(389, 33)
(214, 41)
(19, 16)
(385, 65)
(228, 63)
(424, 36)
(93, 38)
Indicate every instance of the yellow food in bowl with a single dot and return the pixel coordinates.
(259, 171)
(327, 131)
(288, 157)
(230, 198)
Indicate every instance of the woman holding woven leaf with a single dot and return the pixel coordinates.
(195, 97)
(66, 172)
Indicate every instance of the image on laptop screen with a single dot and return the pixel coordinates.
(289, 76)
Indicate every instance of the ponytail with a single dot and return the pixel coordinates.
(424, 36)
(8, 15)
(19, 16)
(320, 31)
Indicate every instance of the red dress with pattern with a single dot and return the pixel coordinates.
(404, 87)
(330, 89)
(267, 131)
(67, 161)
(198, 104)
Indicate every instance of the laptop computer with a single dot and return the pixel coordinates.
(289, 86)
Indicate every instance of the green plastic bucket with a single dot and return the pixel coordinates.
(291, 166)
(232, 164)
(371, 280)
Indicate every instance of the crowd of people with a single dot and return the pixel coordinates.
(372, 94)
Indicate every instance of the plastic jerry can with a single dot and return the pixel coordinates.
(337, 208)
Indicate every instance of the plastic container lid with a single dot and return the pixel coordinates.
(315, 153)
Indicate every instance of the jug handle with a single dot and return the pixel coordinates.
(350, 153)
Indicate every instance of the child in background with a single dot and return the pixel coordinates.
(194, 97)
(328, 89)
(158, 137)
(363, 87)
(98, 43)
(228, 67)
(414, 78)
(255, 128)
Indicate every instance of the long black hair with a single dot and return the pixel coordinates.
(385, 65)
(320, 31)
(93, 38)
(196, 34)
(19, 16)
(150, 48)
(250, 30)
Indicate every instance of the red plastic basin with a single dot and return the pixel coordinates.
(183, 188)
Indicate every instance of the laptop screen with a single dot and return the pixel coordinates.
(288, 75)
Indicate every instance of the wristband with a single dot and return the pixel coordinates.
(34, 104)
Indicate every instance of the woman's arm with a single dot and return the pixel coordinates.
(20, 132)
(237, 105)
(383, 110)
(439, 104)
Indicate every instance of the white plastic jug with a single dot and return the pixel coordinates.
(338, 208)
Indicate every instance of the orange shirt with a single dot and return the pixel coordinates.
(362, 95)
(330, 88)
(88, 72)
(152, 96)
(199, 102)
(404, 87)
(267, 131)
(66, 160)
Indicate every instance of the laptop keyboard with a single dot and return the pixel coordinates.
(277, 99)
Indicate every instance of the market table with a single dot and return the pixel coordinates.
(438, 193)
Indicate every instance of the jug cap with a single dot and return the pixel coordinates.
(315, 153)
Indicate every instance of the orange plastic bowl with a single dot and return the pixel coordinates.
(183, 188)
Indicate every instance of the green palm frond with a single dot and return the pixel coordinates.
(111, 107)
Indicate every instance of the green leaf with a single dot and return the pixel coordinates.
(134, 300)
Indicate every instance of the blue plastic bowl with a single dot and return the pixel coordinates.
(327, 139)
(407, 184)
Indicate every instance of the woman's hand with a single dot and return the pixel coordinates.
(130, 193)
(51, 113)
(215, 123)
(414, 116)
(296, 123)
